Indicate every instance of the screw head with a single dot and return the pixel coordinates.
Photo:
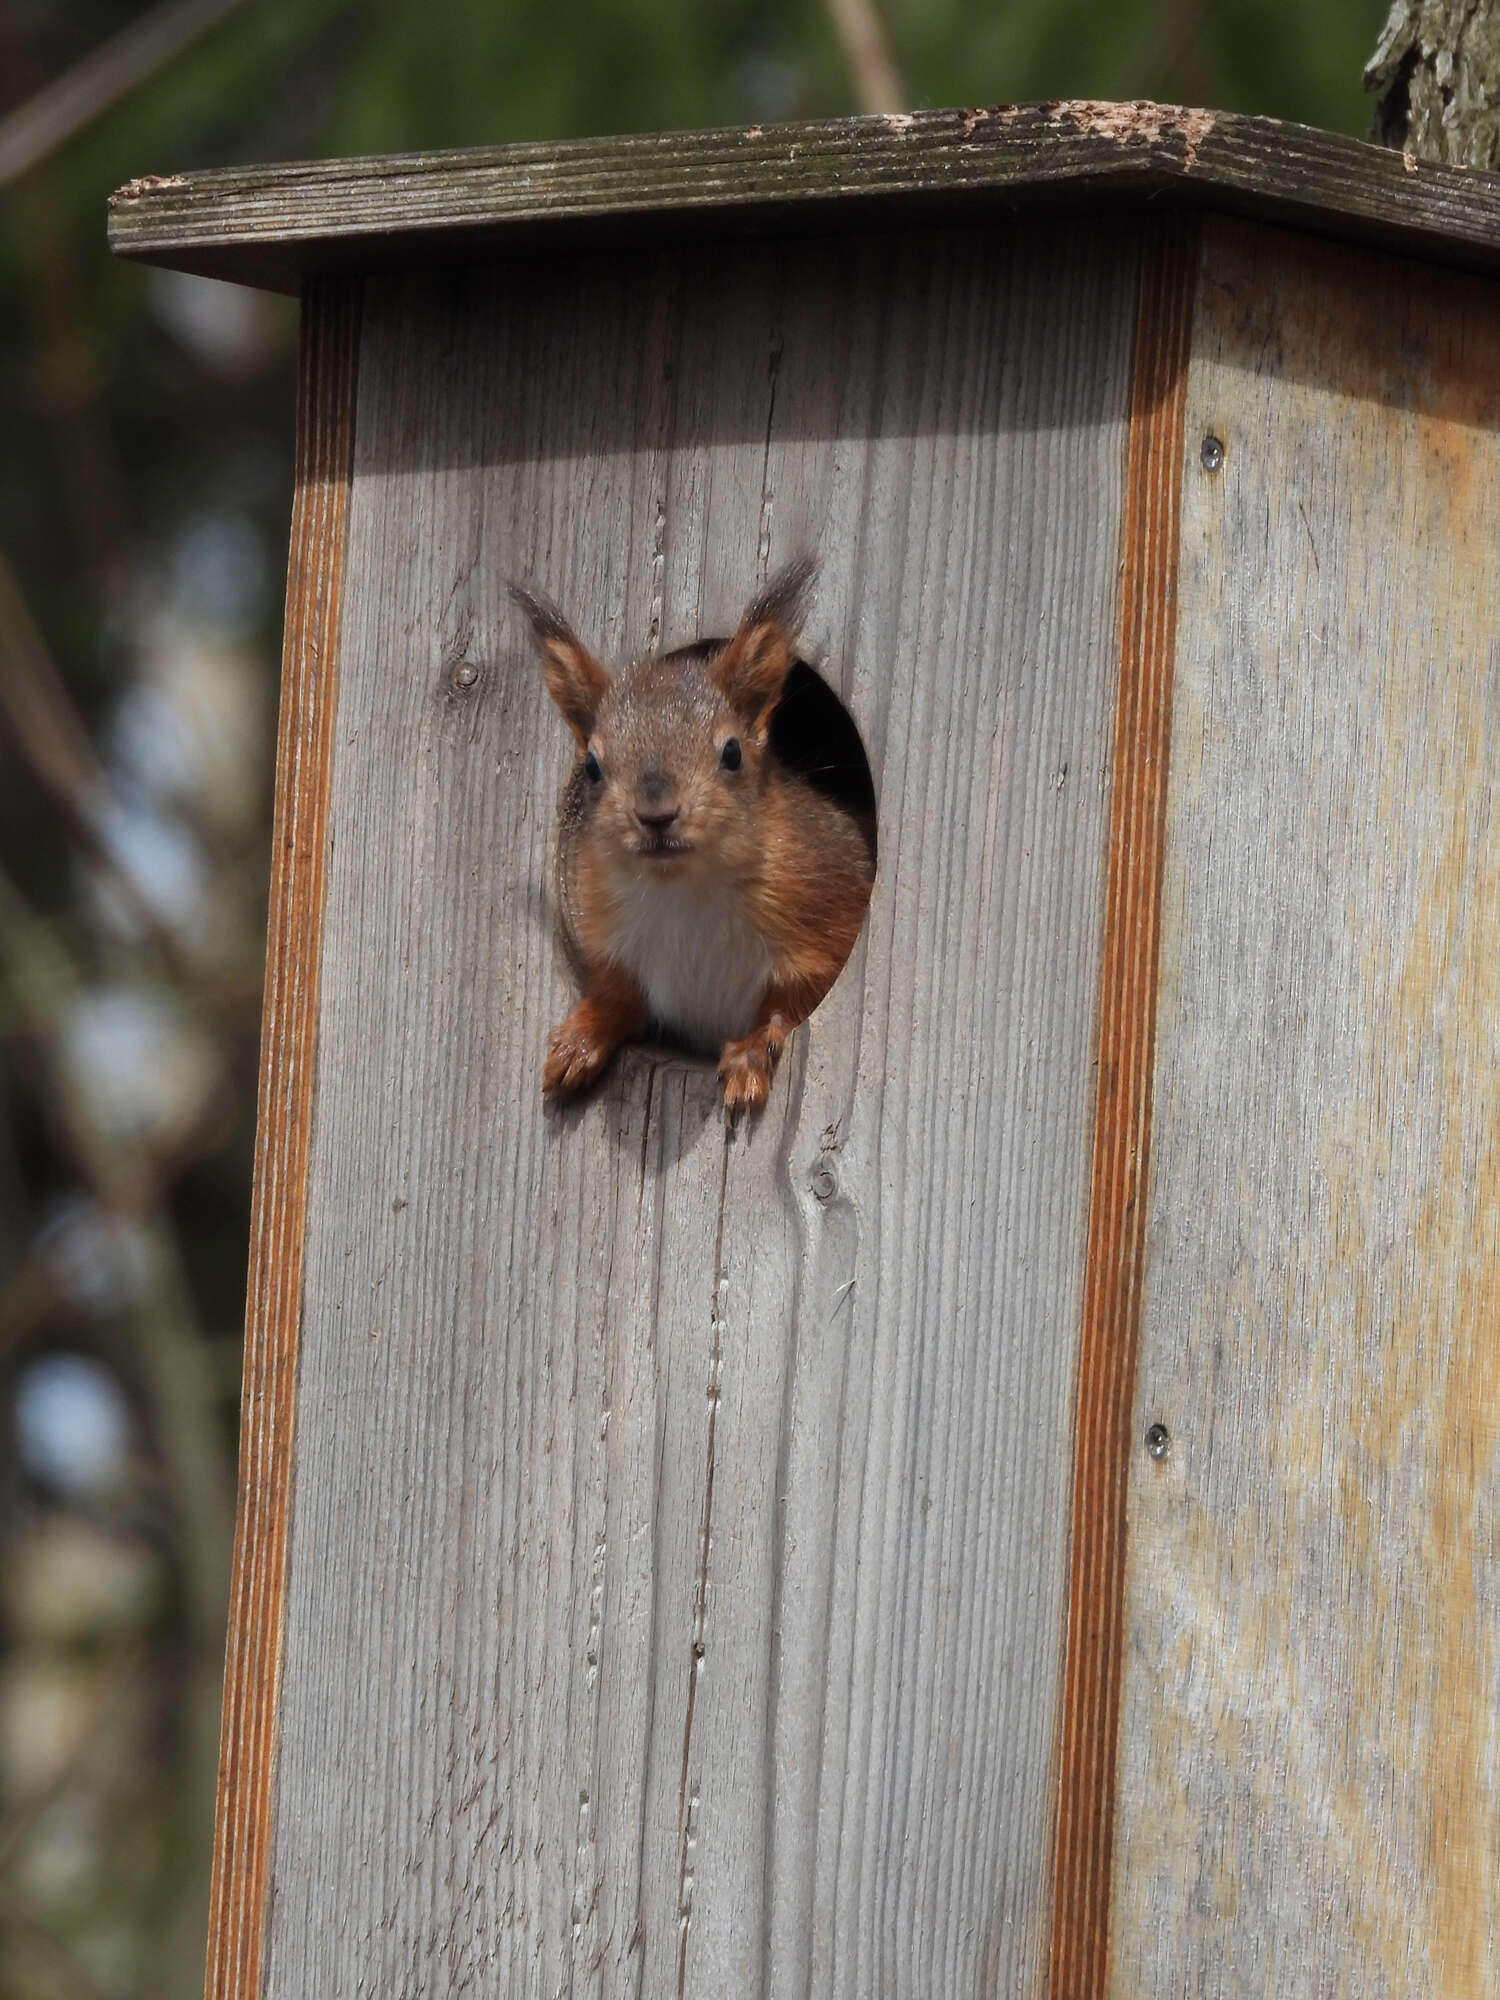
(465, 674)
(1158, 1442)
(824, 1186)
(1212, 453)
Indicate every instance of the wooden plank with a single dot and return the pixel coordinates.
(1308, 1799)
(268, 225)
(1122, 1118)
(677, 1586)
(304, 751)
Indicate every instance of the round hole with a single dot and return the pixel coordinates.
(643, 806)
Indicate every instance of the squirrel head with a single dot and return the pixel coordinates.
(673, 751)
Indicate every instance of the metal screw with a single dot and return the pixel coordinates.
(1158, 1442)
(465, 674)
(824, 1186)
(1212, 453)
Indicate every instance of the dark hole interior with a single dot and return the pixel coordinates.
(813, 734)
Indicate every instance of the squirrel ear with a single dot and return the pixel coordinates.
(753, 667)
(575, 680)
(752, 670)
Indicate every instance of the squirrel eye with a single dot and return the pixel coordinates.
(593, 769)
(729, 756)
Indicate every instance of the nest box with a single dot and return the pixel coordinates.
(1023, 1515)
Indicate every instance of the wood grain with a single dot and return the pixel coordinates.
(269, 225)
(678, 1570)
(1122, 1117)
(1308, 1798)
(288, 1074)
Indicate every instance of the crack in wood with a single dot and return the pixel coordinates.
(687, 1812)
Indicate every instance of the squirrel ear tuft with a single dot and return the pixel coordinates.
(575, 680)
(783, 602)
(753, 667)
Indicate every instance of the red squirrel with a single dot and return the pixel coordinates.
(703, 886)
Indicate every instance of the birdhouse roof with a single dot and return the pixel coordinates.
(271, 226)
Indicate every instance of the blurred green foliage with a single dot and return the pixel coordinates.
(144, 500)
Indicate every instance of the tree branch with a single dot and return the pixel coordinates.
(877, 84)
(50, 732)
(82, 94)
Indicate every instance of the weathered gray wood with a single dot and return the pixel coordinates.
(272, 225)
(677, 1583)
(1310, 1731)
(273, 1313)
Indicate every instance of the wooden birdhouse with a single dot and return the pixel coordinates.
(1021, 1514)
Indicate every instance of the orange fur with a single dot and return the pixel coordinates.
(611, 1012)
(810, 915)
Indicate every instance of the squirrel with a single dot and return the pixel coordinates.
(704, 886)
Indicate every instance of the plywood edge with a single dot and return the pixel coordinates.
(288, 1077)
(1115, 1265)
(270, 225)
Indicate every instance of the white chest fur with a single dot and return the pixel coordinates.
(702, 966)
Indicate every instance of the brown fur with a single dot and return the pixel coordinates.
(794, 864)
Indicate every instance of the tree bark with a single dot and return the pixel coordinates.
(1436, 72)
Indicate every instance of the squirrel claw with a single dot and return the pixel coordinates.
(746, 1068)
(575, 1056)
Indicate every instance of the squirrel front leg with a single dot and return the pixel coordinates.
(610, 1012)
(747, 1065)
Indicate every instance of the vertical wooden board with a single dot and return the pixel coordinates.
(1309, 1801)
(1115, 1267)
(928, 1783)
(678, 1570)
(288, 1067)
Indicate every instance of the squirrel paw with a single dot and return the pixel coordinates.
(747, 1066)
(576, 1054)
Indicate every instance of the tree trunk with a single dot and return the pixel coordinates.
(1436, 72)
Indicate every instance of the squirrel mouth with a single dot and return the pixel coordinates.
(662, 849)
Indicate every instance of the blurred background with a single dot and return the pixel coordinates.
(146, 432)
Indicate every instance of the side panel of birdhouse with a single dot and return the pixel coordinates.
(288, 1079)
(1310, 1739)
(678, 1571)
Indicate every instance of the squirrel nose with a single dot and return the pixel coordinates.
(656, 802)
